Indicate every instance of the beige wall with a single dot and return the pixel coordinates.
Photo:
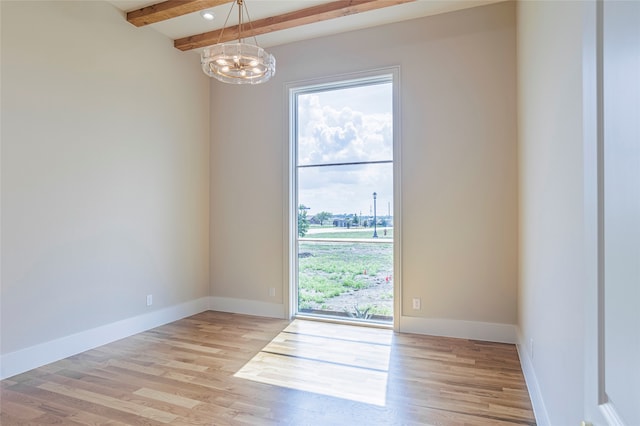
(553, 280)
(105, 175)
(106, 194)
(579, 204)
(459, 163)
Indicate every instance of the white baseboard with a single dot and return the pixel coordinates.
(610, 414)
(475, 330)
(36, 356)
(539, 409)
(247, 307)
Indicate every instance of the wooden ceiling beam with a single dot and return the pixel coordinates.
(169, 9)
(309, 15)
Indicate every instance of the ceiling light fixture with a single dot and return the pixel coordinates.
(238, 62)
(208, 15)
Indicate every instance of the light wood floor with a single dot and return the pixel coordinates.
(217, 369)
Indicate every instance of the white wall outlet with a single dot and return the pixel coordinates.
(416, 304)
(272, 291)
(531, 348)
(149, 299)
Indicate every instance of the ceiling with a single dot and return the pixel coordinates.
(360, 14)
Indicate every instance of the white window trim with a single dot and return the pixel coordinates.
(290, 183)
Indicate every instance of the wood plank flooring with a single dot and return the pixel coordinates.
(227, 369)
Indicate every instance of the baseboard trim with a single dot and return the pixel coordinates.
(539, 409)
(247, 307)
(611, 415)
(36, 356)
(475, 330)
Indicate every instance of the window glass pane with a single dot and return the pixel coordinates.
(351, 280)
(345, 125)
(343, 166)
(346, 193)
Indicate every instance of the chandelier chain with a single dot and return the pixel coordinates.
(255, 40)
(240, 38)
(225, 25)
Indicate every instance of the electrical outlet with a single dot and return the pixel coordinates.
(149, 299)
(416, 304)
(531, 348)
(272, 291)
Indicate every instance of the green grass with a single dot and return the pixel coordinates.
(352, 234)
(377, 310)
(336, 268)
(383, 311)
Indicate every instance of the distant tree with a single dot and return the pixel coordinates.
(322, 216)
(303, 221)
(355, 219)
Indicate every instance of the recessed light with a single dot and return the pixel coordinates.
(208, 15)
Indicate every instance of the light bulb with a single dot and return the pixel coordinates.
(208, 15)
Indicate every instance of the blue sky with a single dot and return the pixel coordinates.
(346, 125)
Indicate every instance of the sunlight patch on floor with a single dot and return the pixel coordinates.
(342, 361)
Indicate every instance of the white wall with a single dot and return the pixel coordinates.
(105, 171)
(621, 208)
(553, 283)
(459, 166)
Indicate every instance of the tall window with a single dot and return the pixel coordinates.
(344, 174)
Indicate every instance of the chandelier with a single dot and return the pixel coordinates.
(238, 62)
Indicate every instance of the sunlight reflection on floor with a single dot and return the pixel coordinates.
(342, 361)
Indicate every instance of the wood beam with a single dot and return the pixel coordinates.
(309, 15)
(169, 9)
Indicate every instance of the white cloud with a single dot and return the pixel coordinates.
(339, 190)
(330, 135)
(347, 125)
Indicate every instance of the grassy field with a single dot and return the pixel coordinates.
(328, 270)
(348, 233)
(352, 233)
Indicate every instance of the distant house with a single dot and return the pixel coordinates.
(341, 222)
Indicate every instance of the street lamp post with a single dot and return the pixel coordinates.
(375, 225)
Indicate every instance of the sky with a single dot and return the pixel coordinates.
(346, 125)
